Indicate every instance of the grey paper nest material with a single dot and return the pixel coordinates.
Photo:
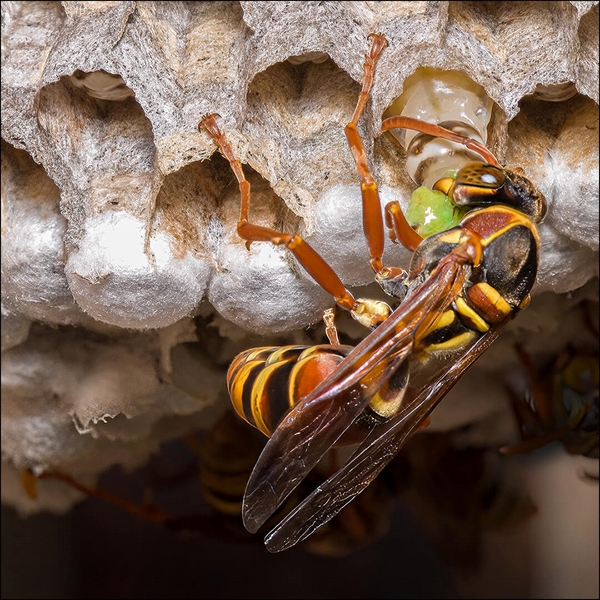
(118, 215)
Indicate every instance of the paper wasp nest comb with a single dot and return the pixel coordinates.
(118, 217)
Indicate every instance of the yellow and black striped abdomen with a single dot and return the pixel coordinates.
(226, 458)
(264, 383)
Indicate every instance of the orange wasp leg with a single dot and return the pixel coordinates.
(316, 266)
(440, 132)
(400, 230)
(147, 511)
(330, 328)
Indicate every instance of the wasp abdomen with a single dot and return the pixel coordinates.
(264, 383)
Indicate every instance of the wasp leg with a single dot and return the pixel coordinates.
(372, 217)
(441, 132)
(400, 230)
(315, 265)
(147, 511)
(330, 328)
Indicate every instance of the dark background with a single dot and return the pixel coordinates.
(99, 551)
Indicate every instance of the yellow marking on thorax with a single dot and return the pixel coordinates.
(474, 319)
(386, 408)
(494, 296)
(518, 218)
(454, 343)
(445, 319)
(453, 236)
(525, 302)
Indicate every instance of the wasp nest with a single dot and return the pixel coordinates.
(125, 288)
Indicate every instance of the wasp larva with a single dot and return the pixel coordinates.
(449, 99)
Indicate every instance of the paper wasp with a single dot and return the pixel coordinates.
(463, 285)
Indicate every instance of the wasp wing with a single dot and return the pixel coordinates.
(315, 423)
(380, 447)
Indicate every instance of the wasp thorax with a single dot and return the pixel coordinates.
(446, 98)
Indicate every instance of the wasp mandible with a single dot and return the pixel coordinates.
(463, 285)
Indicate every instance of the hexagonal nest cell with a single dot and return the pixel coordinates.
(119, 240)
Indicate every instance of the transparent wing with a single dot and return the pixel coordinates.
(320, 418)
(382, 444)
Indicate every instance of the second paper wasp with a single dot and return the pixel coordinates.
(463, 285)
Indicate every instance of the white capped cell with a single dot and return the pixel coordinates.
(119, 280)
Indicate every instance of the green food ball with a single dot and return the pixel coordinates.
(431, 211)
